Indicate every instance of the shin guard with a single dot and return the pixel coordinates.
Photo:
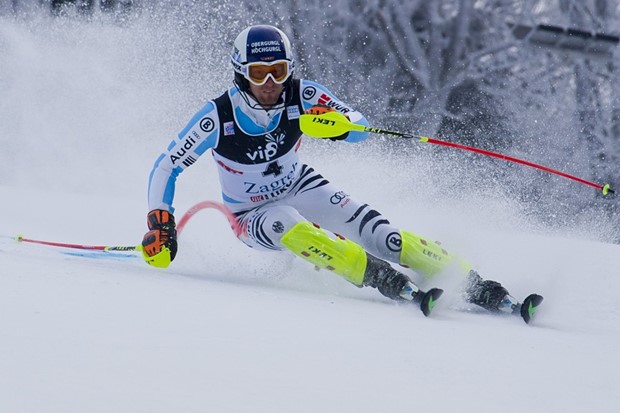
(426, 257)
(328, 251)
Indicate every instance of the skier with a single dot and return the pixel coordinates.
(284, 204)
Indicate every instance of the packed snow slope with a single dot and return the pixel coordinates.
(85, 108)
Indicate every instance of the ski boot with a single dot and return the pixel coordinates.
(397, 286)
(492, 296)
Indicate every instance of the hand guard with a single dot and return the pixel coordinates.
(321, 109)
(159, 245)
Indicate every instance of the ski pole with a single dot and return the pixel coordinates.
(232, 220)
(21, 238)
(331, 124)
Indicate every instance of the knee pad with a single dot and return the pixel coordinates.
(326, 250)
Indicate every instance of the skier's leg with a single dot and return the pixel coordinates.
(430, 258)
(262, 228)
(277, 227)
(348, 259)
(334, 209)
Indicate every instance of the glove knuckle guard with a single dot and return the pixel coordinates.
(319, 109)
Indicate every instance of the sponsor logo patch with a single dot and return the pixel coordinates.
(309, 92)
(183, 148)
(326, 100)
(229, 128)
(394, 242)
(292, 112)
(338, 198)
(278, 227)
(207, 124)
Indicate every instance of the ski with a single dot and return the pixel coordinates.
(529, 307)
(428, 299)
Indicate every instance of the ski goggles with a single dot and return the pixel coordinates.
(258, 73)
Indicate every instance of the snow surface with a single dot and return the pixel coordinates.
(86, 108)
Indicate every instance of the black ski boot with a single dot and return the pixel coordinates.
(396, 285)
(493, 297)
(489, 295)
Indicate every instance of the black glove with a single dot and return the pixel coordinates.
(321, 109)
(162, 233)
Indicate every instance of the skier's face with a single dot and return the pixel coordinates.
(267, 94)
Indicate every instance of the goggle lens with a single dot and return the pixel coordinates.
(258, 73)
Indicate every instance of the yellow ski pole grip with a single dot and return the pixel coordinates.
(160, 260)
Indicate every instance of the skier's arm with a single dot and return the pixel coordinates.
(159, 245)
(313, 94)
(200, 134)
